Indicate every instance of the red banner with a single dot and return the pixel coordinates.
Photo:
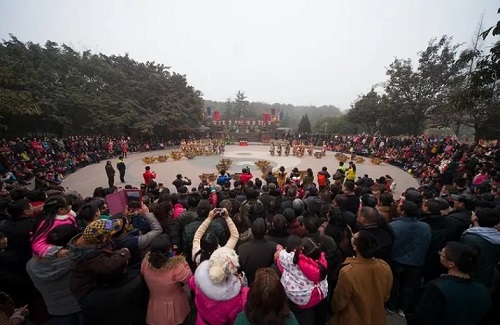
(267, 117)
(216, 115)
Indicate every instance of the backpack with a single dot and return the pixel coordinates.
(321, 180)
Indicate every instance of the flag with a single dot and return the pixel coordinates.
(273, 112)
(216, 115)
(282, 115)
(267, 117)
(209, 112)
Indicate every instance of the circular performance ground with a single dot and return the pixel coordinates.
(87, 179)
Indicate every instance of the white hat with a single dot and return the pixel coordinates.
(222, 264)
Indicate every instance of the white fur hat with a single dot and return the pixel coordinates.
(222, 264)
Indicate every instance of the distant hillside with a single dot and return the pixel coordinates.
(292, 113)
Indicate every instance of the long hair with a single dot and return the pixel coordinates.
(309, 249)
(267, 303)
(46, 219)
(208, 244)
(162, 214)
(159, 252)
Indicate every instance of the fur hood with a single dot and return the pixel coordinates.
(223, 291)
(169, 265)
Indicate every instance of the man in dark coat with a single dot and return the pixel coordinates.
(121, 169)
(110, 172)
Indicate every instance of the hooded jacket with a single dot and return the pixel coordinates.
(217, 304)
(51, 278)
(90, 262)
(486, 241)
(303, 283)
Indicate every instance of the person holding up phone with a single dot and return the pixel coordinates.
(180, 181)
(148, 176)
(205, 244)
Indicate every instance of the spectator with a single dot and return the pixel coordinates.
(364, 285)
(51, 278)
(165, 274)
(93, 255)
(267, 302)
(278, 232)
(460, 218)
(148, 175)
(204, 244)
(484, 238)
(110, 173)
(218, 288)
(204, 208)
(223, 178)
(408, 253)
(169, 226)
(258, 252)
(453, 298)
(120, 165)
(245, 176)
(369, 221)
(56, 212)
(179, 182)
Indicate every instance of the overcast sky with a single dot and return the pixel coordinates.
(316, 52)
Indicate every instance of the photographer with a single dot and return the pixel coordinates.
(205, 244)
(180, 181)
(245, 176)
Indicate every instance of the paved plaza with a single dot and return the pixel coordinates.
(88, 178)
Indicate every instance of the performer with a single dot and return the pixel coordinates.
(287, 149)
(271, 149)
(279, 149)
(310, 151)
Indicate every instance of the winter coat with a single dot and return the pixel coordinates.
(231, 243)
(110, 171)
(90, 262)
(313, 203)
(279, 237)
(188, 235)
(256, 254)
(459, 222)
(121, 300)
(178, 210)
(411, 241)
(328, 246)
(242, 319)
(384, 239)
(439, 237)
(41, 247)
(222, 179)
(363, 287)
(486, 241)
(168, 301)
(449, 300)
(217, 304)
(18, 232)
(303, 282)
(51, 278)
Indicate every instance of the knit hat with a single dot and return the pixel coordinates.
(100, 231)
(222, 264)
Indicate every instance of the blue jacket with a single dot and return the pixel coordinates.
(411, 241)
(222, 179)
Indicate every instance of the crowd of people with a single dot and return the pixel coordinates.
(286, 249)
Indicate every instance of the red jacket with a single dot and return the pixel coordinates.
(148, 177)
(244, 178)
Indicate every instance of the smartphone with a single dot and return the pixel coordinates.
(133, 195)
(218, 212)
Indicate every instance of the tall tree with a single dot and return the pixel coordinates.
(241, 104)
(304, 125)
(228, 109)
(366, 112)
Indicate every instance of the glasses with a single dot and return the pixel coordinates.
(440, 252)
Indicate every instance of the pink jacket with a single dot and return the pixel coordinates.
(217, 304)
(41, 247)
(178, 209)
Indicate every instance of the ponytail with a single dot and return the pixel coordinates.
(46, 219)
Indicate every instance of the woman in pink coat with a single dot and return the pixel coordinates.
(219, 292)
(165, 276)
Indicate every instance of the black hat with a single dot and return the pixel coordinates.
(464, 198)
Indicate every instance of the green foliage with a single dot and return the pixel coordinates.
(366, 112)
(304, 125)
(241, 104)
(58, 90)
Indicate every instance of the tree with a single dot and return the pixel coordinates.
(240, 104)
(366, 112)
(337, 125)
(414, 95)
(53, 88)
(304, 125)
